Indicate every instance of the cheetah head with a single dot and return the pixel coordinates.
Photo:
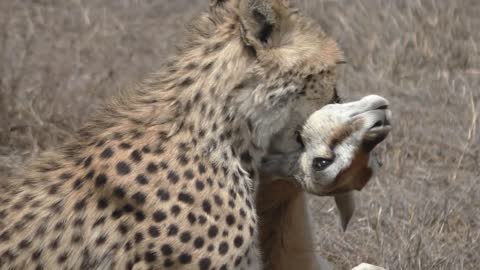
(292, 63)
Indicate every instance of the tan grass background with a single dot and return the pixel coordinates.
(60, 59)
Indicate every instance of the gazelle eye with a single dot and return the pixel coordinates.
(299, 139)
(320, 164)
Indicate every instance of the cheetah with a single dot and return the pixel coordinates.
(165, 177)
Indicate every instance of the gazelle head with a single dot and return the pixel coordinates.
(338, 140)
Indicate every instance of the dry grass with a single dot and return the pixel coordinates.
(58, 59)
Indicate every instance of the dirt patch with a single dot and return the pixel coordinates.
(60, 59)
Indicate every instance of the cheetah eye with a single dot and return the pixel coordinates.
(299, 139)
(320, 164)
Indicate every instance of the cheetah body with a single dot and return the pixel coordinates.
(165, 177)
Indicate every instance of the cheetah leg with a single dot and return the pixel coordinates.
(286, 239)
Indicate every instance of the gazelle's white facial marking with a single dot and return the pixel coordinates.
(338, 139)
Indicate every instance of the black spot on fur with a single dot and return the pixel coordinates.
(172, 230)
(191, 218)
(230, 220)
(212, 231)
(66, 176)
(188, 174)
(186, 198)
(199, 185)
(123, 228)
(152, 168)
(238, 260)
(202, 219)
(139, 216)
(37, 254)
(119, 192)
(128, 208)
(54, 244)
(102, 203)
(207, 207)
(90, 175)
(138, 237)
(77, 184)
(53, 189)
(159, 216)
(125, 146)
(117, 213)
(185, 258)
(150, 256)
(175, 210)
(141, 179)
(101, 240)
(100, 180)
(123, 168)
(153, 231)
(183, 159)
(204, 263)
(185, 237)
(136, 156)
(24, 244)
(186, 82)
(166, 250)
(168, 263)
(201, 168)
(107, 153)
(238, 241)
(87, 162)
(207, 67)
(80, 205)
(62, 258)
(98, 222)
(139, 198)
(198, 242)
(172, 177)
(223, 248)
(163, 165)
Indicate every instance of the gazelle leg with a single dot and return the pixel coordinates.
(286, 239)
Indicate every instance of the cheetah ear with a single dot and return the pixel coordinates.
(346, 206)
(214, 4)
(260, 21)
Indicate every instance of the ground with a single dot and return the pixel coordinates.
(60, 59)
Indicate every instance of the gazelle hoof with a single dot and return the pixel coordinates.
(366, 266)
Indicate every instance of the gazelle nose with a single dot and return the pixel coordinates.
(380, 126)
(375, 102)
(382, 117)
(367, 104)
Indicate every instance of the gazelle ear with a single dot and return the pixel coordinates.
(346, 206)
(260, 19)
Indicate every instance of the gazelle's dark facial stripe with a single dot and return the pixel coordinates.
(338, 135)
